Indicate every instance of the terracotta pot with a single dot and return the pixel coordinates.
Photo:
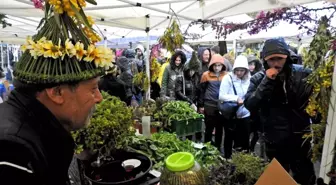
(154, 129)
(137, 124)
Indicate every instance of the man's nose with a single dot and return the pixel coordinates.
(98, 97)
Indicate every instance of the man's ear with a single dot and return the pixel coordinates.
(56, 94)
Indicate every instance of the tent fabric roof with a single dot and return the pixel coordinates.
(114, 16)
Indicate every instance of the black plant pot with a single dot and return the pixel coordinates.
(113, 172)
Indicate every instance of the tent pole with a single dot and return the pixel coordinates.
(23, 22)
(155, 9)
(328, 153)
(7, 55)
(167, 18)
(234, 47)
(131, 4)
(148, 57)
(120, 24)
(226, 8)
(25, 2)
(2, 62)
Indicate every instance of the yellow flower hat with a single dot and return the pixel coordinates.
(63, 50)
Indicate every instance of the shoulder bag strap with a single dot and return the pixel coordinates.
(234, 88)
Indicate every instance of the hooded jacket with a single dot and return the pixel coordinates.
(171, 73)
(241, 85)
(282, 101)
(187, 87)
(210, 84)
(142, 49)
(258, 65)
(140, 59)
(297, 59)
(128, 69)
(204, 65)
(130, 54)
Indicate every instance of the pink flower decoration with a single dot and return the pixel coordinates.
(261, 15)
(38, 4)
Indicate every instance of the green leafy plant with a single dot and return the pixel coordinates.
(244, 169)
(141, 80)
(110, 125)
(162, 144)
(320, 78)
(176, 111)
(172, 38)
(155, 69)
(248, 167)
(250, 51)
(147, 108)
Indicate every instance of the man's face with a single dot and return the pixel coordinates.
(217, 67)
(178, 61)
(251, 66)
(206, 56)
(80, 103)
(276, 62)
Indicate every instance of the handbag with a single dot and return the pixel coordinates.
(228, 109)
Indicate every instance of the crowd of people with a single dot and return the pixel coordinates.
(6, 78)
(270, 94)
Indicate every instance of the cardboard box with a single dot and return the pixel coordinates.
(275, 174)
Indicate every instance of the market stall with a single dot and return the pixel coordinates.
(109, 146)
(146, 143)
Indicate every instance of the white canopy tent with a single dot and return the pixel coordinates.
(145, 16)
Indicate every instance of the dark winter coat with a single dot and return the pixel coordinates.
(258, 65)
(128, 69)
(282, 101)
(35, 148)
(131, 55)
(171, 73)
(114, 86)
(187, 88)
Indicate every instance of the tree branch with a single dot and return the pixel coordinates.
(298, 15)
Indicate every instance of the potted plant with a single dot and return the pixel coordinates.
(179, 117)
(243, 169)
(155, 127)
(146, 111)
(110, 125)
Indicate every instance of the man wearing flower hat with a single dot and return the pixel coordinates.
(281, 95)
(56, 92)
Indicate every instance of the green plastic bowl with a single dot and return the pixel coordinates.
(180, 161)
